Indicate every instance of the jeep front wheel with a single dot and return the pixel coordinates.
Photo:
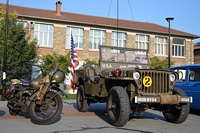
(118, 106)
(81, 102)
(177, 113)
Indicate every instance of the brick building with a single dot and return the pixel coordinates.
(197, 53)
(53, 28)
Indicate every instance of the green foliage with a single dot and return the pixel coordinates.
(94, 61)
(51, 60)
(70, 96)
(19, 47)
(155, 63)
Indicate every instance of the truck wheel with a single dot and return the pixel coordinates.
(82, 103)
(118, 106)
(178, 113)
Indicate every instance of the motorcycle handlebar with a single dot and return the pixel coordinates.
(32, 64)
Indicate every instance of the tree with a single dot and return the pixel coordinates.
(155, 63)
(20, 48)
(95, 62)
(50, 60)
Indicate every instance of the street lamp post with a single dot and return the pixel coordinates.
(5, 50)
(168, 20)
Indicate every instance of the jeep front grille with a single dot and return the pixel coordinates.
(160, 82)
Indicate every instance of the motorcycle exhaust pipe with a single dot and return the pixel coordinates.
(12, 108)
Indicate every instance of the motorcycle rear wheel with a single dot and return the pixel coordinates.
(48, 112)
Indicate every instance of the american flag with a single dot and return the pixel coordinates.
(74, 62)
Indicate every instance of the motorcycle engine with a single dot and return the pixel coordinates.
(9, 91)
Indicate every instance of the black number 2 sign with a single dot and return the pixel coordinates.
(147, 81)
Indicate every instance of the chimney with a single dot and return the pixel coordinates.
(58, 7)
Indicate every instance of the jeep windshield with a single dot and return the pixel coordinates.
(123, 58)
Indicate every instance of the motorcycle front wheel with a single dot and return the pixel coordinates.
(48, 111)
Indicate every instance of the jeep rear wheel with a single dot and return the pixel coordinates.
(82, 103)
(178, 113)
(118, 106)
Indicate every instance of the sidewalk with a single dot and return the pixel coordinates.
(69, 110)
(95, 121)
(71, 120)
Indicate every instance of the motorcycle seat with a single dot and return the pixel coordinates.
(24, 80)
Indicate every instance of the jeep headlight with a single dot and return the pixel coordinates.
(172, 77)
(136, 75)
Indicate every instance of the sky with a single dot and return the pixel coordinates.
(186, 13)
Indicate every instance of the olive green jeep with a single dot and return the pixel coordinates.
(127, 84)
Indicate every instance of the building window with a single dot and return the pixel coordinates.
(160, 46)
(25, 24)
(25, 27)
(118, 40)
(77, 34)
(178, 47)
(142, 41)
(97, 37)
(44, 34)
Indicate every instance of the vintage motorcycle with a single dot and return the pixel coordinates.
(39, 98)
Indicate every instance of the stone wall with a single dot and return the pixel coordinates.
(59, 39)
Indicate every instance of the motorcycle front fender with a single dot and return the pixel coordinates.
(59, 89)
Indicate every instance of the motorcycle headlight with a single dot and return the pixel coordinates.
(172, 77)
(136, 75)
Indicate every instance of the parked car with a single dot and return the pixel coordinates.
(128, 86)
(190, 82)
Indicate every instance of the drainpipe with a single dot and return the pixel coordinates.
(191, 53)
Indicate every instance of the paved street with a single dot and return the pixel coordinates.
(95, 120)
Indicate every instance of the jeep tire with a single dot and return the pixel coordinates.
(82, 103)
(180, 113)
(118, 106)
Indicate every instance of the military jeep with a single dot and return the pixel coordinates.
(127, 84)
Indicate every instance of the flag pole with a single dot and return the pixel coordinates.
(74, 63)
